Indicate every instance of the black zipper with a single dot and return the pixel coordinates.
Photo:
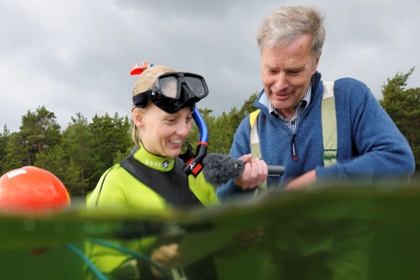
(293, 148)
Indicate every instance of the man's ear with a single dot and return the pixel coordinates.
(317, 60)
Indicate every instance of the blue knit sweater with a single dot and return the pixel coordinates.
(370, 146)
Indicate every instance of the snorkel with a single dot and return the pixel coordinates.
(193, 162)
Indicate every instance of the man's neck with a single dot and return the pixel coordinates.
(287, 113)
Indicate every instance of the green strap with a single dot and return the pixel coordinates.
(329, 125)
(253, 117)
(255, 142)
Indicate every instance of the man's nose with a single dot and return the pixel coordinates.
(281, 82)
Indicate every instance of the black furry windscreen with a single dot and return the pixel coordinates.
(219, 169)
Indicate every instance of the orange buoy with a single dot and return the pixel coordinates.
(32, 189)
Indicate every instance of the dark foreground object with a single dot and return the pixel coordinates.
(332, 232)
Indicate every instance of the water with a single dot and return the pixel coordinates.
(371, 230)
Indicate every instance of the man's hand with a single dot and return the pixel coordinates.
(166, 256)
(303, 181)
(254, 174)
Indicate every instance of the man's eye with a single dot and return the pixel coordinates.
(294, 72)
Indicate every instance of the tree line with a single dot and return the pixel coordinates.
(79, 154)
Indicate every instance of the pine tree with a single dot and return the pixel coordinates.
(403, 106)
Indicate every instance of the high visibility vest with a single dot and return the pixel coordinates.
(329, 129)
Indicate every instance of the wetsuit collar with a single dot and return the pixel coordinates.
(153, 161)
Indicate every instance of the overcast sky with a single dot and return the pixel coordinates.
(75, 56)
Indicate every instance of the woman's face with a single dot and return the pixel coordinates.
(161, 133)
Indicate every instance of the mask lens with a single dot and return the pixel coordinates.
(169, 87)
(173, 91)
(197, 86)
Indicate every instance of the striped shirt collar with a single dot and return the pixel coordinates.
(292, 123)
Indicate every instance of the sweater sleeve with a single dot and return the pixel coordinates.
(370, 146)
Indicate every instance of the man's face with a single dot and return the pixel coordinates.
(286, 74)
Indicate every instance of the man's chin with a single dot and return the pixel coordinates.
(280, 105)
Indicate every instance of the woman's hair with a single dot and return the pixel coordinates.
(143, 83)
(288, 23)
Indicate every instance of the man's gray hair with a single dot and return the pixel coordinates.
(288, 23)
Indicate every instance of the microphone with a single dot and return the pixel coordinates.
(219, 169)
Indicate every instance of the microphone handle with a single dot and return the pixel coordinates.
(275, 170)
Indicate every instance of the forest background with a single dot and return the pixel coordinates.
(79, 154)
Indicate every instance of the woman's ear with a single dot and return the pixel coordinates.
(138, 117)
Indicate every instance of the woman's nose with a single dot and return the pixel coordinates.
(184, 129)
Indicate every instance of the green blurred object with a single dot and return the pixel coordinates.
(33, 247)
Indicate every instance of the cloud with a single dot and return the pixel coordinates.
(75, 56)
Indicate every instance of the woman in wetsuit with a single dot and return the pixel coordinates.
(151, 180)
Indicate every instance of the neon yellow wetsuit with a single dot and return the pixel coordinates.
(118, 188)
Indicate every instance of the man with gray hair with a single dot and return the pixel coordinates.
(292, 117)
(320, 132)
